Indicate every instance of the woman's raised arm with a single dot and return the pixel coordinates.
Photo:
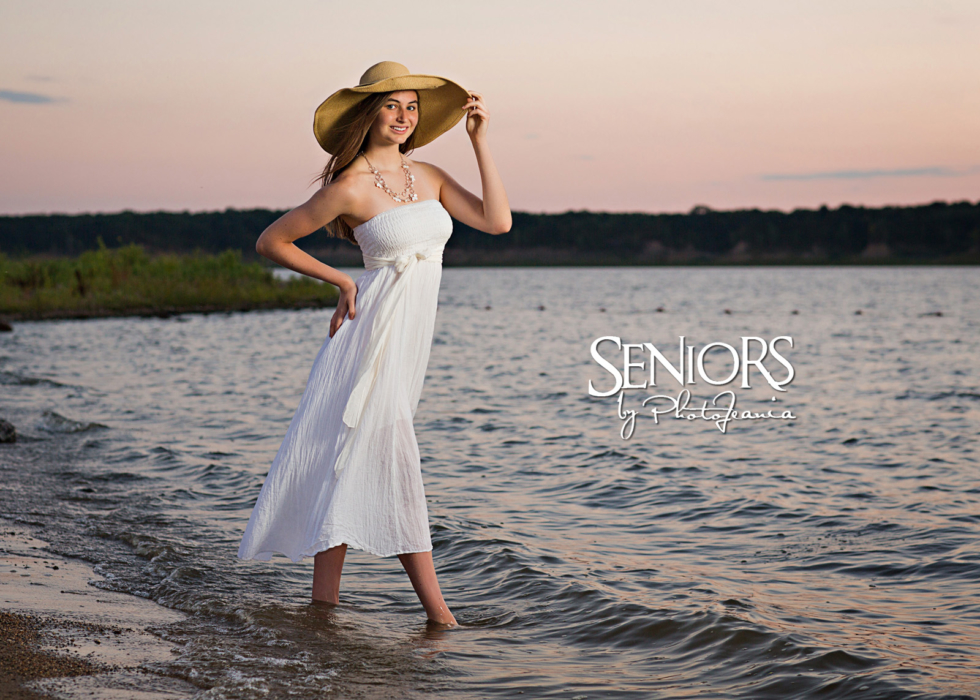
(492, 213)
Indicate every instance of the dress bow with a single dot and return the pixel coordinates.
(403, 261)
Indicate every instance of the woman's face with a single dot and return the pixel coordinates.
(398, 118)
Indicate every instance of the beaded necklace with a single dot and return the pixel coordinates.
(407, 195)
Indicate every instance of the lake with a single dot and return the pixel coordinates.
(834, 555)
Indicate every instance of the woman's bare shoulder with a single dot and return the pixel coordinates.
(344, 192)
(430, 170)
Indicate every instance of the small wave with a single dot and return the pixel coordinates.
(937, 395)
(838, 660)
(56, 423)
(14, 379)
(151, 548)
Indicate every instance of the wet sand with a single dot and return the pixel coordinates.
(61, 637)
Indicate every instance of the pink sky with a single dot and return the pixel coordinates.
(615, 106)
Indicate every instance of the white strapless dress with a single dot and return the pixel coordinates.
(349, 470)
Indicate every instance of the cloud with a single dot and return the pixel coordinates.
(30, 98)
(938, 171)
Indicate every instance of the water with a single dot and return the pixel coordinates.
(831, 556)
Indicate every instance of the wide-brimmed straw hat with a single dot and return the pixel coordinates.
(441, 103)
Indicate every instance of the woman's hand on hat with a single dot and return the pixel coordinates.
(477, 116)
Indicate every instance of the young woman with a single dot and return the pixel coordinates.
(348, 472)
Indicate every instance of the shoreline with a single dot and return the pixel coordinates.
(166, 311)
(159, 312)
(128, 281)
(61, 637)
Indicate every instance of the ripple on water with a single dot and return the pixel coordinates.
(53, 422)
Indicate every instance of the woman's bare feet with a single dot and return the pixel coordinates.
(329, 564)
(422, 573)
(433, 625)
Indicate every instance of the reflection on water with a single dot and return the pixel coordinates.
(833, 556)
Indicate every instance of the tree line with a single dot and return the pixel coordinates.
(942, 232)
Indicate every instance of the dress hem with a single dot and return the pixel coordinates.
(322, 545)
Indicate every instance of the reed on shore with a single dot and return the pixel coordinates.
(129, 281)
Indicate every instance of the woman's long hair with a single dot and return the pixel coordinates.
(354, 139)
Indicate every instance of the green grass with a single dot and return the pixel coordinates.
(129, 281)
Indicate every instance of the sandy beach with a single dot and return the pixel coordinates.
(62, 637)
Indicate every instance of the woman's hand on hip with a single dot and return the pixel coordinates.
(345, 305)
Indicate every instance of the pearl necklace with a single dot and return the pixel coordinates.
(408, 195)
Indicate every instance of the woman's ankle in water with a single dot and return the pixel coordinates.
(442, 617)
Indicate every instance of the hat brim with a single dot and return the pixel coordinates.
(441, 103)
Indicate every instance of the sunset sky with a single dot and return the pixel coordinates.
(615, 106)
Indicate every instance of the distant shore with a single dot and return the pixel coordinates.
(157, 312)
(128, 281)
(547, 257)
(935, 234)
